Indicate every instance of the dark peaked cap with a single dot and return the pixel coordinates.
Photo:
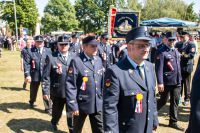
(39, 38)
(90, 40)
(63, 39)
(140, 33)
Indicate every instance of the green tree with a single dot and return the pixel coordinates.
(27, 14)
(93, 14)
(167, 8)
(190, 14)
(59, 15)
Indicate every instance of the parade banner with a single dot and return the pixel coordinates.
(124, 22)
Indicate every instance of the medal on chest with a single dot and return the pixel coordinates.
(83, 86)
(139, 98)
(33, 64)
(59, 70)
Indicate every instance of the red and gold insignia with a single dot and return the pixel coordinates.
(193, 49)
(108, 82)
(70, 70)
(138, 108)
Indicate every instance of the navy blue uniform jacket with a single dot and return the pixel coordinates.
(122, 84)
(52, 81)
(34, 63)
(89, 100)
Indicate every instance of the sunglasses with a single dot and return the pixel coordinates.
(171, 40)
(64, 44)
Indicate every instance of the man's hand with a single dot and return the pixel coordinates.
(154, 128)
(46, 97)
(104, 56)
(160, 87)
(28, 79)
(75, 113)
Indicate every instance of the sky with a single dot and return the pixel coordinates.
(42, 3)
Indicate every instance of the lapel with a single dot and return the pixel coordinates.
(68, 59)
(60, 58)
(134, 74)
(148, 75)
(36, 54)
(43, 53)
(86, 62)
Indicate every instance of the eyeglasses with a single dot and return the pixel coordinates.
(64, 44)
(141, 46)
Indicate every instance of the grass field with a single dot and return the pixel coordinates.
(15, 115)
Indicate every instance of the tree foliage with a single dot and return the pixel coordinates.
(93, 14)
(27, 14)
(167, 8)
(59, 15)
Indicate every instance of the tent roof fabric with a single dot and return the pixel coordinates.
(168, 22)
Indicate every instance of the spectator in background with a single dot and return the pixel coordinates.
(22, 43)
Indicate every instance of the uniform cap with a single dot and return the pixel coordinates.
(63, 39)
(105, 36)
(75, 36)
(140, 33)
(39, 38)
(170, 36)
(90, 40)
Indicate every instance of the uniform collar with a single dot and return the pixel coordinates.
(134, 64)
(88, 58)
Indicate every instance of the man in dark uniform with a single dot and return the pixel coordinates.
(105, 52)
(187, 50)
(75, 46)
(54, 78)
(169, 79)
(34, 62)
(129, 95)
(23, 55)
(84, 87)
(194, 121)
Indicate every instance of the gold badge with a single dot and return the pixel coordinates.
(70, 71)
(107, 83)
(85, 79)
(139, 96)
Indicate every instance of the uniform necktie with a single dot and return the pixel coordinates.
(40, 51)
(64, 58)
(141, 72)
(92, 61)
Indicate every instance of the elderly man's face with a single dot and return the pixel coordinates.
(139, 49)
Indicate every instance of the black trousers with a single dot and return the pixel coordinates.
(174, 92)
(96, 122)
(57, 108)
(185, 85)
(34, 86)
